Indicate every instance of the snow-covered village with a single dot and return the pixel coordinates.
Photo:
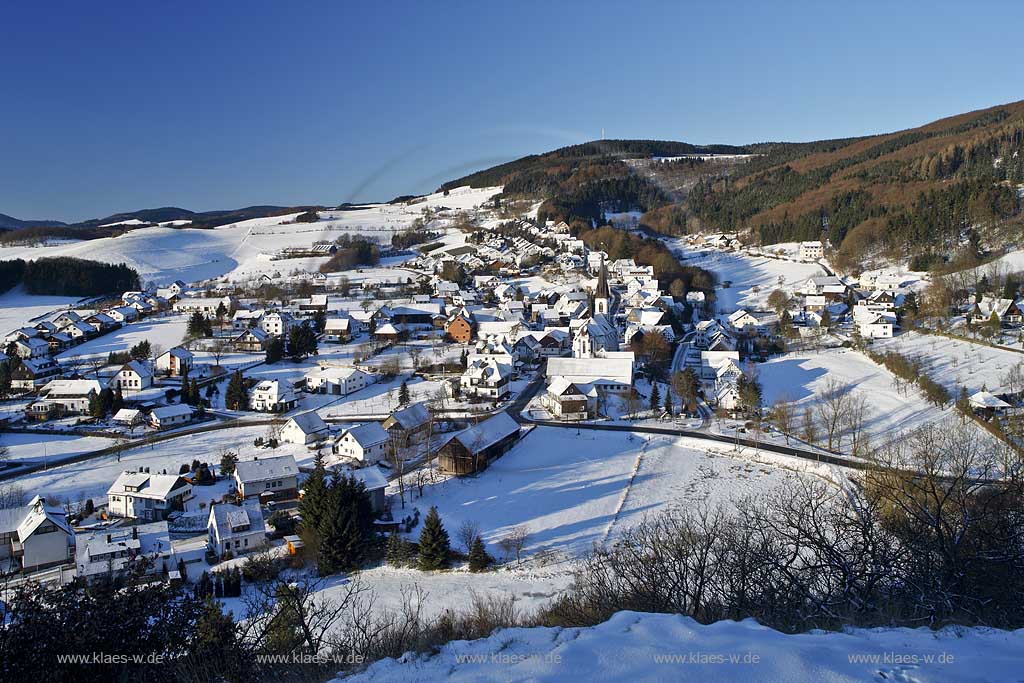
(631, 408)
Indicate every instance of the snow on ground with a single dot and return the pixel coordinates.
(92, 478)
(954, 362)
(49, 448)
(164, 254)
(162, 331)
(802, 377)
(18, 309)
(573, 490)
(751, 278)
(633, 646)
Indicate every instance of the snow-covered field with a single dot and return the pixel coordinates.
(18, 309)
(163, 331)
(751, 278)
(573, 490)
(802, 377)
(164, 254)
(953, 362)
(633, 646)
(49, 448)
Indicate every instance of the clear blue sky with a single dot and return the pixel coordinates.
(108, 106)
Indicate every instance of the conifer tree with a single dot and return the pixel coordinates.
(434, 544)
(403, 394)
(395, 552)
(237, 396)
(655, 398)
(479, 559)
(668, 401)
(311, 506)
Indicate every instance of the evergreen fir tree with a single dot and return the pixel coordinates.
(186, 391)
(479, 559)
(403, 394)
(395, 553)
(193, 394)
(311, 505)
(668, 401)
(434, 544)
(237, 396)
(275, 350)
(655, 398)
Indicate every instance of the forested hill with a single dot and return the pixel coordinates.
(559, 158)
(944, 195)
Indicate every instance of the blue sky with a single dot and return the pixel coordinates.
(110, 106)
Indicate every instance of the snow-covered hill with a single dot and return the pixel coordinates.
(632, 647)
(165, 253)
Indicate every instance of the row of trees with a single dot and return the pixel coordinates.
(66, 276)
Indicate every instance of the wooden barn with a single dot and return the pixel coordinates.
(472, 449)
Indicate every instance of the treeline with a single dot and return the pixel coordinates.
(66, 276)
(619, 244)
(410, 238)
(353, 251)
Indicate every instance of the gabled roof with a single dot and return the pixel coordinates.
(309, 422)
(156, 486)
(489, 432)
(27, 518)
(261, 469)
(229, 520)
(366, 435)
(412, 416)
(138, 367)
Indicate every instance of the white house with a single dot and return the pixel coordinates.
(277, 476)
(134, 375)
(811, 250)
(175, 362)
(32, 347)
(304, 428)
(875, 326)
(118, 551)
(149, 497)
(485, 378)
(366, 443)
(277, 323)
(338, 329)
(235, 528)
(34, 536)
(166, 417)
(64, 397)
(272, 396)
(339, 381)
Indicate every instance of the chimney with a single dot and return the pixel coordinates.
(108, 538)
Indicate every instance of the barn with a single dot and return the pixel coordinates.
(472, 449)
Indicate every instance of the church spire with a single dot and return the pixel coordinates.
(602, 291)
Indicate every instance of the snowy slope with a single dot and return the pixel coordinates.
(632, 647)
(164, 254)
